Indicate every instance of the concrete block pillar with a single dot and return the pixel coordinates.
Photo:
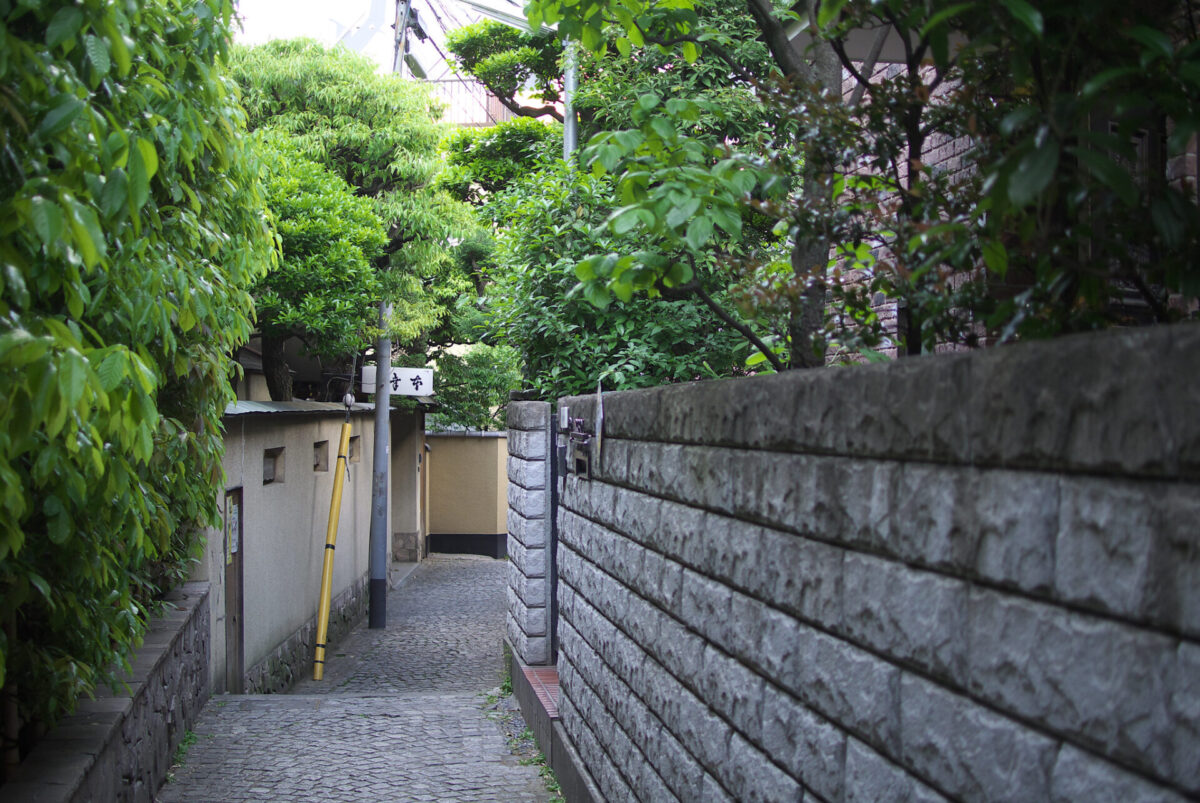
(529, 542)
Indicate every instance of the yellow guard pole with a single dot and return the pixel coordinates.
(335, 510)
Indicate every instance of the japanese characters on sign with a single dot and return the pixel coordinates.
(403, 381)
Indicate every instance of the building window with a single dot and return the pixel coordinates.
(321, 456)
(355, 451)
(272, 465)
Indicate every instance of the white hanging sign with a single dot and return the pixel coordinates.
(404, 381)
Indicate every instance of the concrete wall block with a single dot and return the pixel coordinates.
(680, 650)
(1017, 421)
(871, 778)
(1181, 597)
(746, 615)
(661, 580)
(636, 732)
(798, 575)
(599, 765)
(527, 473)
(528, 415)
(532, 621)
(531, 590)
(751, 777)
(846, 684)
(1087, 678)
(530, 532)
(517, 556)
(969, 751)
(682, 531)
(929, 521)
(1111, 555)
(528, 445)
(1016, 520)
(528, 504)
(993, 409)
(733, 690)
(809, 745)
(1184, 707)
(1082, 776)
(907, 614)
(634, 514)
(705, 734)
(706, 607)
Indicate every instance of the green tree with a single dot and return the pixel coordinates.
(380, 134)
(578, 343)
(325, 289)
(1048, 225)
(508, 61)
(546, 224)
(133, 224)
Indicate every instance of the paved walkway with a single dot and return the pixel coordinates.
(398, 716)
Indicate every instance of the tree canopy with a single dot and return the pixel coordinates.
(379, 134)
(133, 226)
(1061, 213)
(548, 219)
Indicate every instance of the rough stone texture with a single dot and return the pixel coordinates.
(292, 660)
(398, 716)
(118, 746)
(528, 624)
(1036, 405)
(967, 577)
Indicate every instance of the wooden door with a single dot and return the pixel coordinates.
(234, 630)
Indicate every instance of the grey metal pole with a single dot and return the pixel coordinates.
(378, 561)
(570, 85)
(403, 9)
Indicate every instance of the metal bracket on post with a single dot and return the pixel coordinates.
(576, 453)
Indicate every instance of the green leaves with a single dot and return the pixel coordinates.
(63, 111)
(120, 309)
(47, 220)
(64, 25)
(1026, 14)
(1034, 172)
(1109, 173)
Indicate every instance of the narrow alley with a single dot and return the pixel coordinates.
(398, 717)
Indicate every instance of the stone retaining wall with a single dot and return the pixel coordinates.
(962, 577)
(118, 747)
(293, 659)
(528, 620)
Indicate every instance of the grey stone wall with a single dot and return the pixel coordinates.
(962, 577)
(293, 659)
(528, 619)
(118, 747)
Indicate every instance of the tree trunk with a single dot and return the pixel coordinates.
(809, 257)
(808, 311)
(275, 369)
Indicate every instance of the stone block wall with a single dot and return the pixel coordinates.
(118, 746)
(528, 619)
(292, 660)
(966, 577)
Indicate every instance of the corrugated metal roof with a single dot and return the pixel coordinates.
(293, 407)
(242, 407)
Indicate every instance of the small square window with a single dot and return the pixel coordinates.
(355, 451)
(272, 465)
(321, 456)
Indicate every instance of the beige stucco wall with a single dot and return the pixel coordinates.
(284, 525)
(467, 483)
(407, 464)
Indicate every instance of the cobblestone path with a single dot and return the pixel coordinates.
(398, 716)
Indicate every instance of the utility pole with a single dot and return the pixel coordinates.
(570, 86)
(400, 50)
(378, 548)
